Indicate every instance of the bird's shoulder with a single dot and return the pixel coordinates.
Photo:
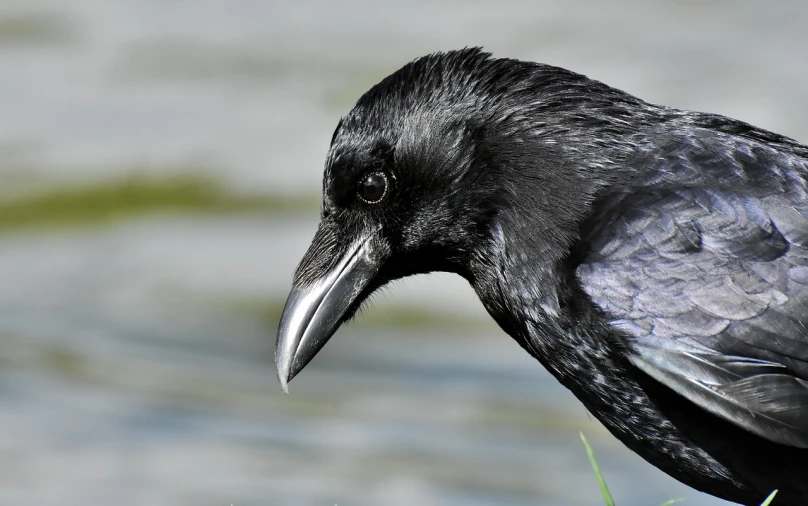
(704, 266)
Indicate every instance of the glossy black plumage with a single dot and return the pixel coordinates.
(654, 260)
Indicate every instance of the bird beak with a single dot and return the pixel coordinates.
(316, 308)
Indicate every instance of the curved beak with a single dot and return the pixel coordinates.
(316, 307)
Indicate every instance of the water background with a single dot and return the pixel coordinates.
(136, 351)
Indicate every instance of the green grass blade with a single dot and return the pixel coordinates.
(769, 499)
(672, 501)
(603, 488)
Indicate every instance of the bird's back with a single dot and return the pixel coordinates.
(702, 266)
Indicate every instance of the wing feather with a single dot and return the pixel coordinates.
(708, 276)
(760, 396)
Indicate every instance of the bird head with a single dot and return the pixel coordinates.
(435, 169)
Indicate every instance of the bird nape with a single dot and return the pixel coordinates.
(654, 260)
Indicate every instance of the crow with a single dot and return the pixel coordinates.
(653, 259)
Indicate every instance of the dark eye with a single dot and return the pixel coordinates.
(373, 187)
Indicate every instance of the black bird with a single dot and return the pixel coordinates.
(654, 260)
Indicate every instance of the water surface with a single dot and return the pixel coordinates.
(136, 355)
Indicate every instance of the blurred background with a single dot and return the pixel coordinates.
(160, 165)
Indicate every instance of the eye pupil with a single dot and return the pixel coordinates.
(373, 187)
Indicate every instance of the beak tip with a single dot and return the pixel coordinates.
(283, 378)
(313, 311)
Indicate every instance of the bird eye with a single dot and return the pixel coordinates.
(373, 187)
